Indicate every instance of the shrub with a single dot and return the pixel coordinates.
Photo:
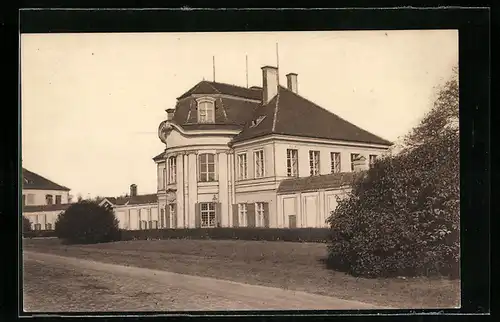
(87, 223)
(402, 217)
(319, 235)
(26, 225)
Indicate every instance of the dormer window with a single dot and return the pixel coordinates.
(257, 121)
(206, 110)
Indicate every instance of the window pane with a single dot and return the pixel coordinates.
(211, 167)
(210, 158)
(211, 176)
(203, 158)
(204, 206)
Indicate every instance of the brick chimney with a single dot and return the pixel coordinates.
(360, 164)
(269, 83)
(133, 190)
(291, 82)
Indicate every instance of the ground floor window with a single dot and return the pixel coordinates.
(162, 218)
(155, 224)
(207, 214)
(143, 224)
(259, 214)
(242, 214)
(38, 226)
(48, 226)
(171, 208)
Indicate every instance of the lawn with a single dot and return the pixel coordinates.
(295, 266)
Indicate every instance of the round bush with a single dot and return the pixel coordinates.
(87, 223)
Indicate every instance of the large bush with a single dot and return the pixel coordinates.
(26, 225)
(402, 217)
(87, 223)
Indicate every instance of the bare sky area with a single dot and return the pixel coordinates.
(91, 103)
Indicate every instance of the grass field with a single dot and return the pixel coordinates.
(295, 266)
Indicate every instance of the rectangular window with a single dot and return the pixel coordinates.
(206, 112)
(242, 166)
(354, 156)
(207, 167)
(162, 218)
(58, 200)
(373, 157)
(314, 163)
(259, 163)
(48, 226)
(171, 208)
(207, 212)
(38, 226)
(335, 156)
(242, 214)
(155, 224)
(172, 169)
(30, 199)
(259, 214)
(292, 158)
(49, 199)
(150, 224)
(161, 177)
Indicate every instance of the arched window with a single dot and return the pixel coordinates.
(207, 167)
(206, 110)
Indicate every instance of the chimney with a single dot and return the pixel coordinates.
(170, 114)
(360, 164)
(269, 83)
(133, 190)
(291, 82)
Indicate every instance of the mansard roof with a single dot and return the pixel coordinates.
(291, 114)
(287, 114)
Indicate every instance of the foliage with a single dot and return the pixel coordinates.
(26, 225)
(402, 217)
(240, 233)
(87, 223)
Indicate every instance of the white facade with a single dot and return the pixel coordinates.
(35, 197)
(230, 187)
(43, 219)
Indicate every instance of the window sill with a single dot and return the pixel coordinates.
(208, 183)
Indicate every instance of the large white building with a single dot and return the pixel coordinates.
(42, 200)
(259, 157)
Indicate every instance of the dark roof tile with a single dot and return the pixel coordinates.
(314, 183)
(35, 181)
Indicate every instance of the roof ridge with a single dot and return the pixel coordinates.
(324, 109)
(44, 178)
(242, 87)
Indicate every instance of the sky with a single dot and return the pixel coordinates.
(91, 103)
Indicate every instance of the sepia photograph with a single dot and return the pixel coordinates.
(240, 171)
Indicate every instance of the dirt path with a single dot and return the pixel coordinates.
(56, 283)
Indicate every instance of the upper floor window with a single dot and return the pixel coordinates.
(206, 110)
(259, 163)
(58, 199)
(242, 166)
(335, 156)
(49, 199)
(354, 157)
(161, 176)
(207, 167)
(373, 157)
(314, 163)
(292, 157)
(172, 169)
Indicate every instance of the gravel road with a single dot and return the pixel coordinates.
(54, 283)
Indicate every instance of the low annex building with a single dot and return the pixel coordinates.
(259, 156)
(42, 200)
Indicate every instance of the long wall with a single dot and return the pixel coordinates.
(34, 197)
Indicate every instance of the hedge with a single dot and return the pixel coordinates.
(317, 235)
(39, 233)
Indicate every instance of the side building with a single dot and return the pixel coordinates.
(42, 200)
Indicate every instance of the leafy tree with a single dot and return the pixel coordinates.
(402, 217)
(87, 223)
